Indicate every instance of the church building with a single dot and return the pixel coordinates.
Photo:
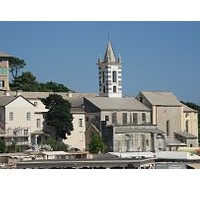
(153, 121)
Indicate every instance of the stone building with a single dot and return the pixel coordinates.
(179, 122)
(152, 121)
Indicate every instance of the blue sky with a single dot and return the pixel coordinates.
(157, 56)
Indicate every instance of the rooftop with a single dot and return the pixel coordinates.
(161, 98)
(116, 103)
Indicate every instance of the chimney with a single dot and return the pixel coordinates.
(18, 93)
(69, 94)
(6, 93)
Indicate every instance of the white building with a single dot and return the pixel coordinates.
(16, 120)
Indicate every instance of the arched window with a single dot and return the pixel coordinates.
(114, 89)
(186, 126)
(167, 127)
(114, 76)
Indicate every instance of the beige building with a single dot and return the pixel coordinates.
(124, 124)
(77, 138)
(179, 122)
(16, 120)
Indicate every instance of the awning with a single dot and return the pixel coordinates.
(186, 135)
(174, 142)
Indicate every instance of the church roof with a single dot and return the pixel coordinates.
(161, 98)
(116, 103)
(109, 55)
(188, 109)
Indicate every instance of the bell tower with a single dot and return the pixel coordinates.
(110, 74)
(4, 71)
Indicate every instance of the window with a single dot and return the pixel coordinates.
(87, 119)
(147, 142)
(114, 118)
(25, 131)
(124, 118)
(167, 127)
(11, 116)
(2, 84)
(114, 89)
(144, 117)
(80, 122)
(103, 77)
(38, 123)
(104, 89)
(106, 118)
(114, 76)
(28, 116)
(187, 126)
(135, 118)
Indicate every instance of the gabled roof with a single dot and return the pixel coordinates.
(161, 98)
(109, 55)
(5, 100)
(188, 109)
(116, 103)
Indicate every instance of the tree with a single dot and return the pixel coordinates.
(56, 145)
(15, 65)
(2, 146)
(26, 82)
(96, 144)
(59, 116)
(53, 87)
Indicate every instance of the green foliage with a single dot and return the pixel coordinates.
(2, 146)
(15, 64)
(59, 116)
(56, 145)
(28, 82)
(53, 87)
(96, 144)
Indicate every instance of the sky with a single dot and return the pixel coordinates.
(156, 56)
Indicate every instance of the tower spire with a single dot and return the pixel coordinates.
(109, 55)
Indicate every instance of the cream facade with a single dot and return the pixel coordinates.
(16, 120)
(179, 122)
(77, 137)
